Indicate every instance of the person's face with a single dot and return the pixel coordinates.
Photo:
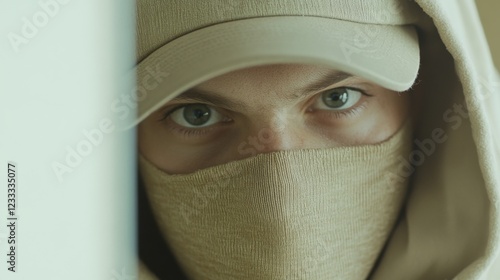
(265, 109)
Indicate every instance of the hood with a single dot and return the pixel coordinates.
(450, 224)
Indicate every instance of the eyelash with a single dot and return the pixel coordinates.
(189, 132)
(351, 112)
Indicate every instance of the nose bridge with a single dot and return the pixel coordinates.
(276, 135)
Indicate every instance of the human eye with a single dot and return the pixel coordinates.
(338, 99)
(195, 116)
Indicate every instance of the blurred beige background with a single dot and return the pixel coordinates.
(489, 11)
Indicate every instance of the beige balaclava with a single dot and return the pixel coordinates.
(298, 214)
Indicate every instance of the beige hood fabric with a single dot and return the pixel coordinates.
(450, 224)
(297, 214)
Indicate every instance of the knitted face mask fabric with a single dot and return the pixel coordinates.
(295, 214)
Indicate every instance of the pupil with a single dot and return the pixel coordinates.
(335, 98)
(197, 114)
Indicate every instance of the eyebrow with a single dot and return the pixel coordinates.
(217, 100)
(328, 79)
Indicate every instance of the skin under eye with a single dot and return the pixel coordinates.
(338, 99)
(196, 116)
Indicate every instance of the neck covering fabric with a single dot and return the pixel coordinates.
(297, 214)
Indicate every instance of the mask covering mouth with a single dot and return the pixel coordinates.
(294, 214)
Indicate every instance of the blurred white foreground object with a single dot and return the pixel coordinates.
(62, 77)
